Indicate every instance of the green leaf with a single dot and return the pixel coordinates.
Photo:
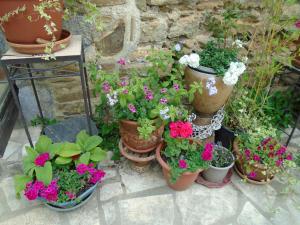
(81, 138)
(98, 155)
(44, 173)
(43, 144)
(62, 160)
(55, 149)
(31, 154)
(92, 142)
(69, 150)
(20, 182)
(84, 158)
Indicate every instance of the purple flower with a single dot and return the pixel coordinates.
(297, 24)
(256, 158)
(132, 108)
(82, 169)
(176, 87)
(163, 101)
(163, 90)
(146, 89)
(122, 61)
(125, 91)
(51, 192)
(149, 95)
(124, 82)
(32, 189)
(252, 175)
(106, 87)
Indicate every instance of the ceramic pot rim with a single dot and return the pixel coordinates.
(203, 69)
(227, 167)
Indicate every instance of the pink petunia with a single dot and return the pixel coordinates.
(97, 176)
(132, 108)
(82, 169)
(256, 158)
(289, 157)
(252, 175)
(122, 61)
(42, 159)
(182, 164)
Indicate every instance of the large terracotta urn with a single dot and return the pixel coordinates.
(207, 104)
(19, 29)
(131, 139)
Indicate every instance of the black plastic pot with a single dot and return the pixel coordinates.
(225, 136)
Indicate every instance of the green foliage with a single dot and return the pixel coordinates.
(145, 128)
(177, 149)
(222, 157)
(217, 57)
(43, 144)
(44, 173)
(20, 182)
(42, 121)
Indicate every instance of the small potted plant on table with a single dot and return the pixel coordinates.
(181, 157)
(62, 175)
(223, 160)
(259, 161)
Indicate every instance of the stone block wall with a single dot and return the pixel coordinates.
(132, 27)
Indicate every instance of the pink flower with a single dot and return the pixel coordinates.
(297, 24)
(186, 130)
(207, 154)
(70, 195)
(279, 162)
(247, 153)
(174, 129)
(32, 189)
(31, 194)
(163, 101)
(289, 157)
(122, 61)
(163, 90)
(132, 108)
(281, 151)
(106, 87)
(209, 147)
(51, 192)
(149, 95)
(91, 165)
(97, 176)
(42, 159)
(125, 91)
(176, 87)
(146, 89)
(182, 164)
(124, 82)
(266, 141)
(256, 158)
(82, 169)
(252, 175)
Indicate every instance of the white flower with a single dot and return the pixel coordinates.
(164, 113)
(177, 47)
(237, 68)
(194, 60)
(112, 99)
(238, 43)
(184, 60)
(230, 78)
(245, 59)
(212, 90)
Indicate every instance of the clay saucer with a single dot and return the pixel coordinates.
(249, 180)
(40, 48)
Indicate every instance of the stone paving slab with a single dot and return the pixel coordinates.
(251, 216)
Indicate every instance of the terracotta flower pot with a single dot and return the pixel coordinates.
(184, 181)
(296, 61)
(262, 173)
(20, 30)
(206, 104)
(130, 137)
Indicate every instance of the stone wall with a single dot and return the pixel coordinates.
(132, 27)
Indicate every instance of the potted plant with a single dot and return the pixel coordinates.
(44, 20)
(142, 103)
(296, 60)
(259, 161)
(181, 157)
(62, 175)
(223, 160)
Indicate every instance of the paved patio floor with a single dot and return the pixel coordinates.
(129, 198)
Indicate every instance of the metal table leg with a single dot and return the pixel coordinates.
(293, 130)
(80, 61)
(87, 84)
(17, 101)
(34, 91)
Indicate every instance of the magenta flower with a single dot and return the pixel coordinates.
(31, 194)
(252, 175)
(256, 158)
(279, 162)
(82, 169)
(163, 90)
(125, 92)
(281, 151)
(297, 24)
(97, 176)
(182, 164)
(51, 192)
(42, 159)
(70, 195)
(266, 141)
(106, 87)
(207, 154)
(132, 108)
(146, 89)
(32, 189)
(163, 101)
(289, 157)
(176, 87)
(149, 95)
(122, 61)
(247, 153)
(124, 82)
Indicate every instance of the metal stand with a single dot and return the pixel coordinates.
(73, 53)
